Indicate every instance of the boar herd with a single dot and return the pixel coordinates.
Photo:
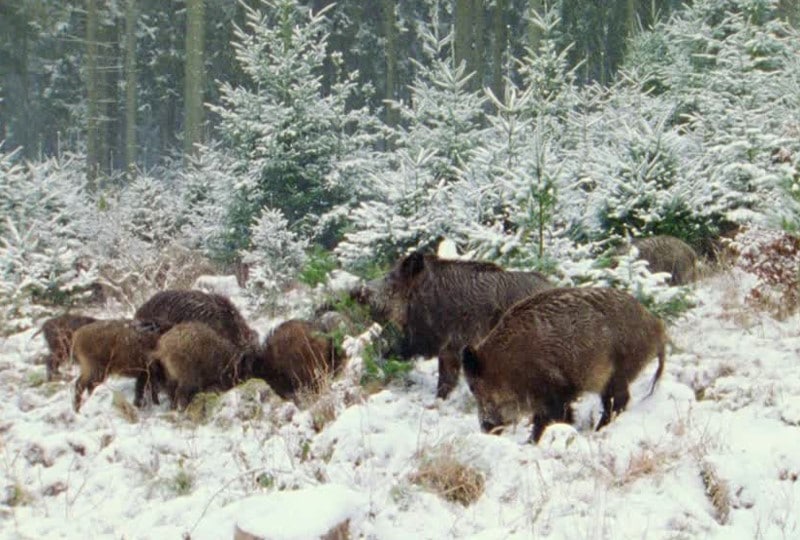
(185, 342)
(525, 346)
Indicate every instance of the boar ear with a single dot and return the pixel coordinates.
(469, 359)
(413, 264)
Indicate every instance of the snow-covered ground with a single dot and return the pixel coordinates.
(713, 453)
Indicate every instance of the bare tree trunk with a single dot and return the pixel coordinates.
(390, 32)
(193, 93)
(93, 96)
(130, 87)
(498, 48)
(477, 63)
(630, 12)
(790, 10)
(462, 42)
(534, 32)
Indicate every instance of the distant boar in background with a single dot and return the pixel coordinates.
(58, 332)
(296, 357)
(549, 348)
(667, 254)
(196, 358)
(116, 347)
(442, 305)
(178, 306)
(332, 322)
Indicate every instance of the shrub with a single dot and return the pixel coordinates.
(773, 256)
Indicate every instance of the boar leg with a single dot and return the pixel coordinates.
(615, 397)
(183, 396)
(557, 409)
(52, 367)
(449, 365)
(79, 388)
(142, 384)
(84, 383)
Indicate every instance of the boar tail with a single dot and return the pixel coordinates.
(662, 356)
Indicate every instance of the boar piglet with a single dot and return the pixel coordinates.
(196, 358)
(296, 357)
(115, 347)
(58, 333)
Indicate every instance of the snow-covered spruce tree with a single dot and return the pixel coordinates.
(42, 259)
(304, 151)
(133, 231)
(513, 180)
(439, 132)
(206, 188)
(725, 67)
(275, 258)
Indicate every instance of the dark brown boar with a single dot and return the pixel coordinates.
(442, 305)
(297, 357)
(196, 358)
(668, 254)
(177, 306)
(58, 332)
(115, 347)
(549, 348)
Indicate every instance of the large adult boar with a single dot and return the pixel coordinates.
(176, 306)
(551, 347)
(442, 305)
(116, 347)
(666, 253)
(195, 358)
(297, 357)
(58, 332)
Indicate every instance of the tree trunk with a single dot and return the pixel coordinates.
(130, 87)
(193, 94)
(390, 33)
(477, 64)
(790, 10)
(534, 32)
(498, 48)
(462, 42)
(93, 96)
(630, 11)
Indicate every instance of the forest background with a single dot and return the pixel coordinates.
(283, 138)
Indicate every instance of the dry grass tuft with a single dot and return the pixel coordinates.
(442, 473)
(716, 491)
(202, 407)
(323, 412)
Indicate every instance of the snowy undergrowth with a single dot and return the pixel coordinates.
(712, 453)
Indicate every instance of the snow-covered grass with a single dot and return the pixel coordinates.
(712, 453)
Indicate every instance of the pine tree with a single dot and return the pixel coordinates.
(42, 259)
(303, 149)
(439, 132)
(275, 258)
(727, 71)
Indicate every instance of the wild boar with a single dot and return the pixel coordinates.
(58, 332)
(177, 306)
(549, 348)
(297, 357)
(442, 305)
(115, 347)
(668, 254)
(195, 358)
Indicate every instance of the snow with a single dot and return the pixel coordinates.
(728, 406)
